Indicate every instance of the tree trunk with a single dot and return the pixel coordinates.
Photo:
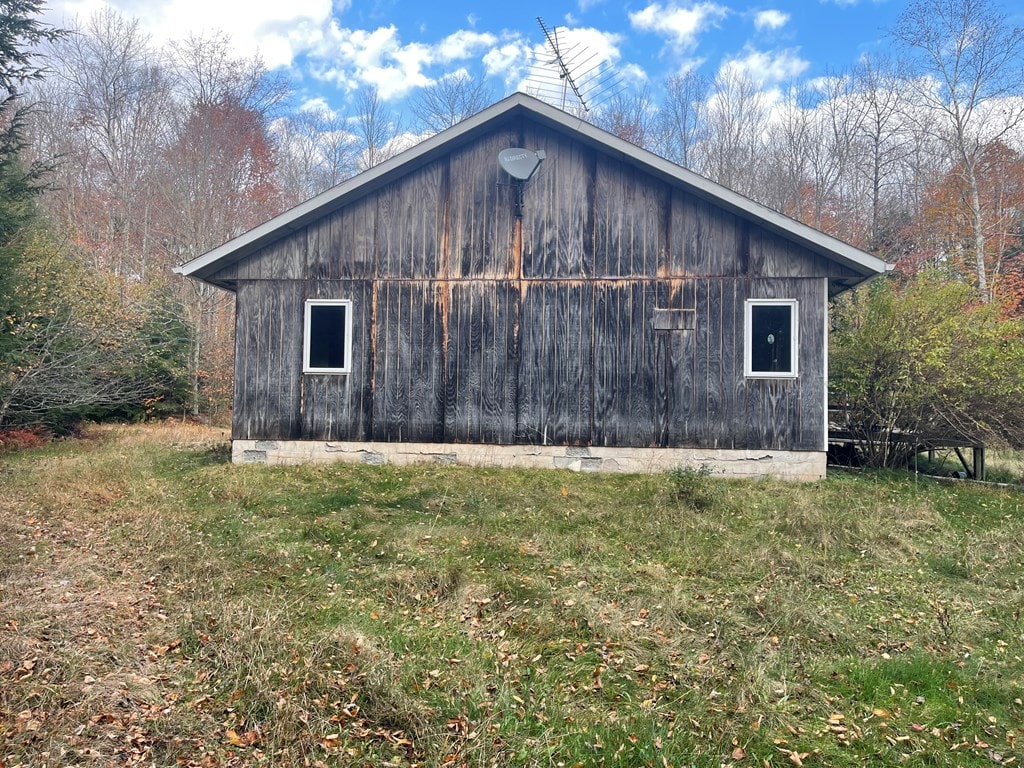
(195, 368)
(977, 224)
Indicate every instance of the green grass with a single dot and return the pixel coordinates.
(436, 616)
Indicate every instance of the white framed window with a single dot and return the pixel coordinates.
(770, 338)
(327, 336)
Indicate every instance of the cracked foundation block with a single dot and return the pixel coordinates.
(787, 465)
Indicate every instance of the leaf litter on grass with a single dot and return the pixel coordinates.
(444, 616)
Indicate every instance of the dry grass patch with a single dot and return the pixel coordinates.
(166, 608)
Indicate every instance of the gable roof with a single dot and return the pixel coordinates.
(206, 267)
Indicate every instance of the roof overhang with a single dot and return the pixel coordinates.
(205, 267)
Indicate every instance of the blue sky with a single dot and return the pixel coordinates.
(330, 49)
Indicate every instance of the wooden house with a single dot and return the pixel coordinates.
(613, 312)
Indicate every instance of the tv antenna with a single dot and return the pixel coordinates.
(571, 69)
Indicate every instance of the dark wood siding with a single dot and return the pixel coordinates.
(610, 314)
(268, 360)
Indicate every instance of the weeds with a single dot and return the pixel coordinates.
(692, 486)
(163, 607)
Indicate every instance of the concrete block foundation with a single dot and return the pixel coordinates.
(787, 465)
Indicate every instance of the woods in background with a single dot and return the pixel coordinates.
(120, 160)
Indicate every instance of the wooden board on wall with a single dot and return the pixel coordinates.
(410, 221)
(555, 368)
(338, 406)
(481, 210)
(341, 245)
(558, 209)
(632, 212)
(268, 371)
(625, 350)
(481, 362)
(408, 376)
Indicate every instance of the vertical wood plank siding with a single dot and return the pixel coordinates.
(457, 337)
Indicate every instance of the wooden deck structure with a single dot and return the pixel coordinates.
(922, 443)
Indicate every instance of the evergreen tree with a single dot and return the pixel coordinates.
(20, 32)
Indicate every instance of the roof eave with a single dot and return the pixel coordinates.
(294, 219)
(206, 266)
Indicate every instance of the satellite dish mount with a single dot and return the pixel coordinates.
(521, 165)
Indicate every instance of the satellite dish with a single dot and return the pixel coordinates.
(520, 163)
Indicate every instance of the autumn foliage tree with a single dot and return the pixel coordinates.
(969, 59)
(944, 231)
(925, 356)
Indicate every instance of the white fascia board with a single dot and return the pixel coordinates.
(294, 219)
(298, 217)
(844, 253)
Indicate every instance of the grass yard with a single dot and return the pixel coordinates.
(159, 606)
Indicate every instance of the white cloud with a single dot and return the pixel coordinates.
(767, 67)
(680, 24)
(353, 57)
(464, 44)
(317, 105)
(350, 58)
(509, 61)
(276, 30)
(771, 19)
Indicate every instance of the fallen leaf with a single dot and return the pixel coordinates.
(330, 741)
(738, 754)
(233, 737)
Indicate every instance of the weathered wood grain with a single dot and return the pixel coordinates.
(557, 213)
(622, 323)
(335, 407)
(481, 209)
(632, 216)
(268, 347)
(554, 382)
(624, 370)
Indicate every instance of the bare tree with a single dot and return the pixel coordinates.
(787, 153)
(315, 151)
(375, 127)
(835, 125)
(970, 63)
(108, 108)
(679, 124)
(450, 100)
(883, 142)
(630, 116)
(206, 73)
(737, 119)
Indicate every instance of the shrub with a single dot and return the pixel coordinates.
(12, 440)
(925, 357)
(692, 486)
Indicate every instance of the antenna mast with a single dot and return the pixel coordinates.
(572, 68)
(559, 61)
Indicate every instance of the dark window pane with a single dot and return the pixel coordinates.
(771, 338)
(327, 336)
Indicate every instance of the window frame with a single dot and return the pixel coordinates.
(346, 368)
(748, 332)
